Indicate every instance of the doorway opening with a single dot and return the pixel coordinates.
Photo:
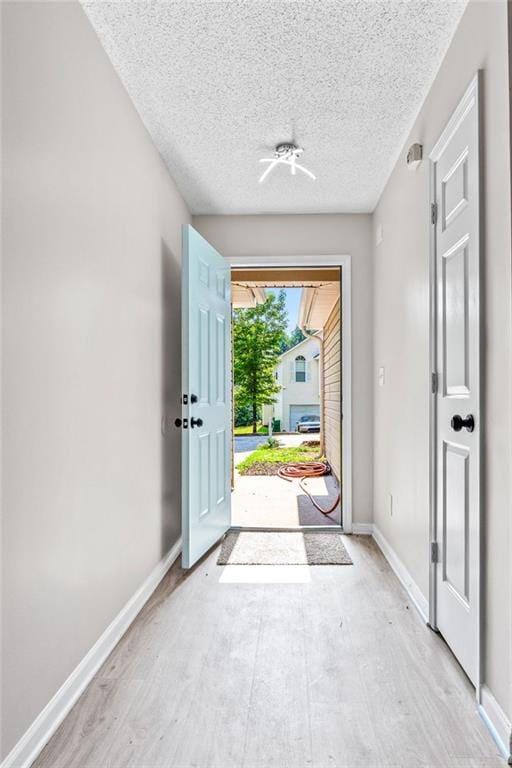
(206, 417)
(288, 386)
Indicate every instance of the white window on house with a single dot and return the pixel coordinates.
(300, 368)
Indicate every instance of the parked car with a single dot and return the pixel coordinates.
(308, 423)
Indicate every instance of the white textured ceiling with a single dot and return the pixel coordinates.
(218, 84)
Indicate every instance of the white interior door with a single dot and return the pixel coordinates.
(206, 409)
(457, 429)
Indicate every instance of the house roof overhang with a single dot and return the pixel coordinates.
(317, 304)
(300, 344)
(243, 296)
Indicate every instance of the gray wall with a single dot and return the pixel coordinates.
(91, 316)
(290, 235)
(401, 456)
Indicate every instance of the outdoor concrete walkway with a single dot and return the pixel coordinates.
(259, 501)
(270, 502)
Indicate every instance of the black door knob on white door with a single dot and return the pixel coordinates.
(468, 423)
(195, 422)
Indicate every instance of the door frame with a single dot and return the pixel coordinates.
(343, 261)
(471, 96)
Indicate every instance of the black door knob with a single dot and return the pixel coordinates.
(459, 423)
(195, 422)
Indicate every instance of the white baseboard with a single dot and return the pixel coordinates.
(497, 722)
(416, 595)
(44, 726)
(362, 528)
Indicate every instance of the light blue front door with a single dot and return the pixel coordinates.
(206, 411)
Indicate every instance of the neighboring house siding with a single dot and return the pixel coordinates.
(297, 392)
(332, 390)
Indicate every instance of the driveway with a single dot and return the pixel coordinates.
(246, 444)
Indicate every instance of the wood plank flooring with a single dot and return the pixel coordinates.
(232, 668)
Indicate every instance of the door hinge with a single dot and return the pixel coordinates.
(434, 552)
(433, 213)
(435, 382)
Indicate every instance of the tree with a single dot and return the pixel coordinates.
(295, 337)
(243, 414)
(258, 333)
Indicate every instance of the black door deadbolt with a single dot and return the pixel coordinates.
(459, 423)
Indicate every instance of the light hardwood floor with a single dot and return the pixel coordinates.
(227, 667)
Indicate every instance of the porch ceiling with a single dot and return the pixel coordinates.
(316, 305)
(284, 278)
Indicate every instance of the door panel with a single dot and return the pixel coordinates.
(454, 190)
(456, 177)
(455, 319)
(206, 318)
(455, 535)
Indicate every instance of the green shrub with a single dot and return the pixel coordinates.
(271, 443)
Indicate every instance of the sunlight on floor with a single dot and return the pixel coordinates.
(265, 574)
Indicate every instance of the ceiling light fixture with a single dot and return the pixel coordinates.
(285, 154)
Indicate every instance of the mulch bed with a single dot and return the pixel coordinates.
(263, 468)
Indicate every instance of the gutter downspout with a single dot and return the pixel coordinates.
(309, 295)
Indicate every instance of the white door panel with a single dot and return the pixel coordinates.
(457, 445)
(206, 317)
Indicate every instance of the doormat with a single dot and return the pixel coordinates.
(283, 548)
